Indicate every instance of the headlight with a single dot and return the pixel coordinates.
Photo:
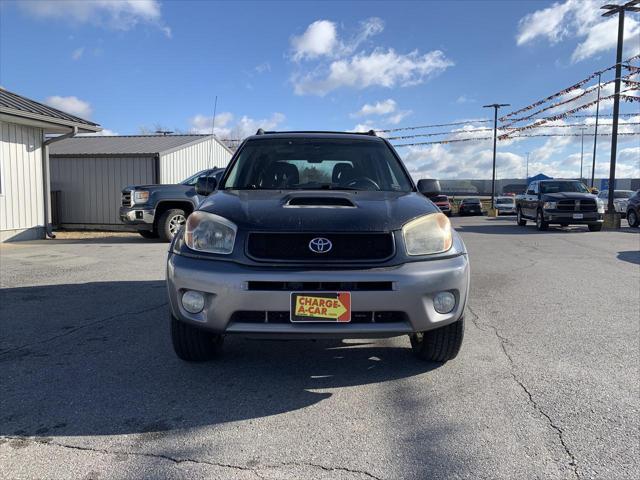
(206, 232)
(428, 234)
(140, 196)
(600, 205)
(549, 205)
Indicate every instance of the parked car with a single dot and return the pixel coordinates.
(470, 206)
(442, 202)
(561, 202)
(317, 235)
(505, 205)
(633, 210)
(620, 200)
(159, 211)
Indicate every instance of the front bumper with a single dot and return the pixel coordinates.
(554, 216)
(506, 211)
(226, 288)
(139, 215)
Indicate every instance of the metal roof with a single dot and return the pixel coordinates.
(14, 104)
(123, 144)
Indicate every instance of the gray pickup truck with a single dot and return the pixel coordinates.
(159, 211)
(560, 202)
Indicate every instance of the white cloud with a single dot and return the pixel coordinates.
(578, 19)
(113, 14)
(320, 38)
(226, 128)
(398, 117)
(105, 132)
(464, 99)
(72, 105)
(379, 108)
(77, 53)
(379, 68)
(263, 67)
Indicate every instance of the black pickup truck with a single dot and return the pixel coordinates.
(561, 202)
(158, 211)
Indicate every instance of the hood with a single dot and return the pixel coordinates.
(158, 187)
(327, 211)
(569, 196)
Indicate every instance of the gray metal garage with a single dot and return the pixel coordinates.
(89, 172)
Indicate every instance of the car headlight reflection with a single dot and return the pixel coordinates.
(549, 205)
(428, 235)
(206, 232)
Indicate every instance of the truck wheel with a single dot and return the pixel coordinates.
(632, 218)
(595, 227)
(521, 221)
(192, 344)
(540, 223)
(149, 234)
(170, 223)
(439, 345)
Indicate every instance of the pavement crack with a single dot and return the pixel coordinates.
(83, 326)
(484, 326)
(175, 460)
(333, 469)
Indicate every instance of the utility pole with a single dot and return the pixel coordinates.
(595, 133)
(581, 149)
(611, 218)
(495, 107)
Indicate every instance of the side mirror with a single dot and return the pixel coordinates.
(429, 187)
(595, 191)
(206, 185)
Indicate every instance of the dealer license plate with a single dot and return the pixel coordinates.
(321, 307)
(578, 216)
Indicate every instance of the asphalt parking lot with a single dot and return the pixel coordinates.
(546, 384)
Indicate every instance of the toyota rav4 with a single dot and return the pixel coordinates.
(317, 235)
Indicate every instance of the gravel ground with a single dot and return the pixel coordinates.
(546, 384)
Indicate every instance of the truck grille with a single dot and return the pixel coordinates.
(126, 198)
(346, 247)
(261, 316)
(577, 205)
(320, 286)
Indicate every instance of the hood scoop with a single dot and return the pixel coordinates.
(319, 202)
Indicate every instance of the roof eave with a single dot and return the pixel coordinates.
(46, 121)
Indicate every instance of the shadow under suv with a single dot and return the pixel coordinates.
(316, 235)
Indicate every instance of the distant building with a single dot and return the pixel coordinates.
(89, 173)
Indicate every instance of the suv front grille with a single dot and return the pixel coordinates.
(126, 198)
(346, 247)
(261, 316)
(577, 205)
(321, 286)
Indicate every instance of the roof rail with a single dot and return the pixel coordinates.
(260, 132)
(267, 132)
(372, 133)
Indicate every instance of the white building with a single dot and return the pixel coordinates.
(25, 205)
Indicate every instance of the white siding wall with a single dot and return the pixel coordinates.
(21, 183)
(184, 162)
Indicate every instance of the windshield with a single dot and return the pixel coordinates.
(314, 164)
(471, 200)
(563, 186)
(505, 201)
(623, 194)
(193, 178)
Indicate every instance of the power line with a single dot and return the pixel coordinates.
(465, 122)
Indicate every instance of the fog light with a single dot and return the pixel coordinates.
(192, 301)
(444, 302)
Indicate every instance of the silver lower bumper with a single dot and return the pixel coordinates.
(226, 289)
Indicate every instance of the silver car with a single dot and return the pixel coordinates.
(317, 235)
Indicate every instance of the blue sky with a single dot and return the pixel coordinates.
(318, 65)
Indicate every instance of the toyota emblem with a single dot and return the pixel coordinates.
(320, 245)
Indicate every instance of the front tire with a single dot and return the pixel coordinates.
(520, 219)
(170, 223)
(595, 227)
(632, 218)
(540, 223)
(192, 344)
(439, 345)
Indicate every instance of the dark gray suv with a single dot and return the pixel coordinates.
(317, 235)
